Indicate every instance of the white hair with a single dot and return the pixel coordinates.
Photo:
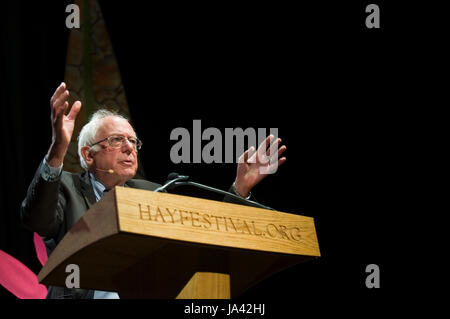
(89, 131)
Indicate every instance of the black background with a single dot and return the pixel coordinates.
(313, 70)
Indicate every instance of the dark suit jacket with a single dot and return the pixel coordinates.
(52, 208)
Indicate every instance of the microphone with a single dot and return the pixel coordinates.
(111, 171)
(174, 183)
(171, 179)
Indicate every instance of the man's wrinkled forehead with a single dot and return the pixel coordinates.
(112, 125)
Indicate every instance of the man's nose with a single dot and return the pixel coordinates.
(127, 146)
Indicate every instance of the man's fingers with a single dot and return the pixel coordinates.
(273, 158)
(76, 107)
(265, 144)
(262, 149)
(244, 157)
(252, 156)
(61, 88)
(61, 110)
(60, 100)
(276, 154)
(274, 147)
(268, 153)
(58, 116)
(272, 168)
(281, 161)
(249, 154)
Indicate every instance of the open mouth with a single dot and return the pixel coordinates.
(127, 162)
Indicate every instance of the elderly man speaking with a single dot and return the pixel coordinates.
(108, 148)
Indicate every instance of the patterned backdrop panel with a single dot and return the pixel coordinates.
(92, 75)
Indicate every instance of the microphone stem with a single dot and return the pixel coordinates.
(168, 184)
(212, 189)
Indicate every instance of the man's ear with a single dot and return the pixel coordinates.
(87, 155)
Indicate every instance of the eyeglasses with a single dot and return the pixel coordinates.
(117, 141)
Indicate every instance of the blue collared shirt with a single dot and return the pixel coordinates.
(99, 188)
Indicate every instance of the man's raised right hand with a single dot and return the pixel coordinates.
(62, 125)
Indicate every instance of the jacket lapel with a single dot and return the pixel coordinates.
(87, 190)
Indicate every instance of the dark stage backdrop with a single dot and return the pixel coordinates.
(311, 70)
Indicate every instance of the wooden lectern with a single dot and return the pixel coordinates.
(144, 244)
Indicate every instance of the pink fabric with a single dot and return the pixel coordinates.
(41, 252)
(18, 279)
